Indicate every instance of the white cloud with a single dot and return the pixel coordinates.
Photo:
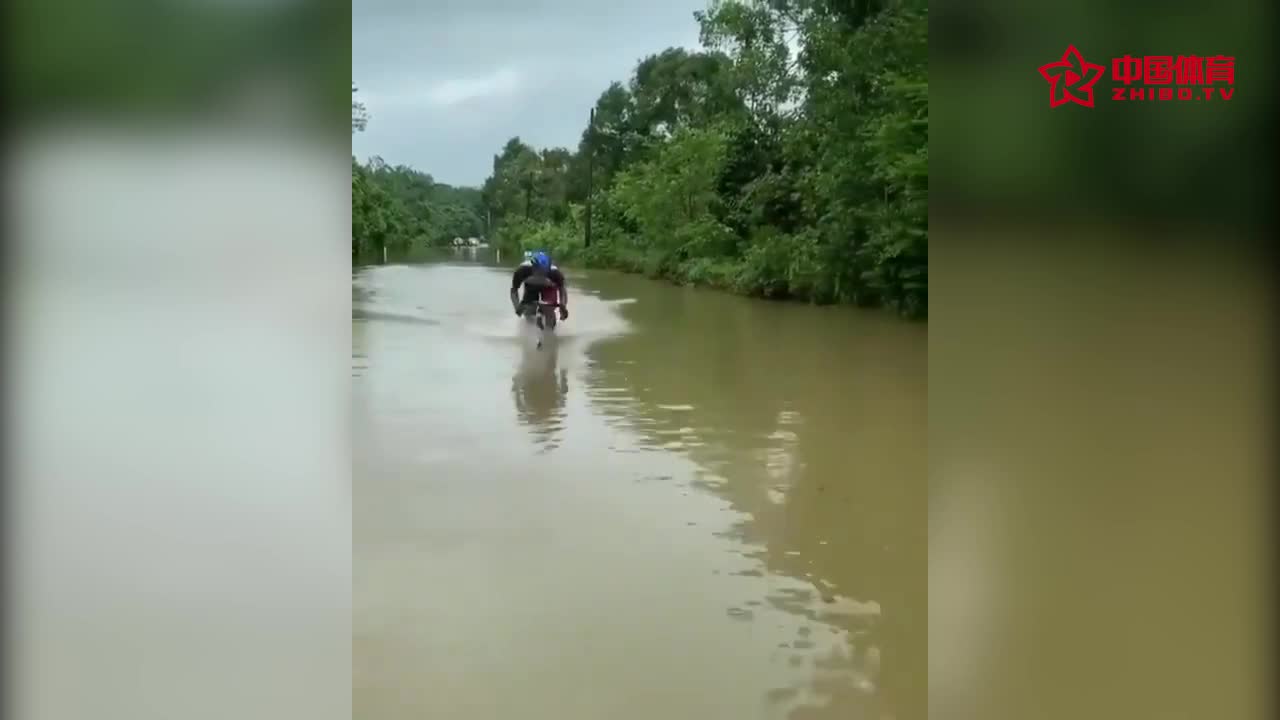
(456, 91)
(441, 93)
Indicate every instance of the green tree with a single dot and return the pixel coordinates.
(359, 114)
(672, 198)
(395, 208)
(789, 158)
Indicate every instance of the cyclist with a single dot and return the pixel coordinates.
(541, 280)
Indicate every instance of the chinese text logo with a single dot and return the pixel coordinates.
(1152, 77)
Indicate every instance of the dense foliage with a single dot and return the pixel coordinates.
(399, 208)
(788, 158)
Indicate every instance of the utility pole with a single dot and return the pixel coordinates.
(591, 154)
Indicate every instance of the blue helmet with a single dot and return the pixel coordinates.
(540, 260)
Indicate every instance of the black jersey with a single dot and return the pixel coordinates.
(536, 279)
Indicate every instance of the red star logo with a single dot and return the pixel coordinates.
(1067, 75)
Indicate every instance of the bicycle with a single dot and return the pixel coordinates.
(542, 314)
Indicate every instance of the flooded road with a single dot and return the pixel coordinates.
(687, 505)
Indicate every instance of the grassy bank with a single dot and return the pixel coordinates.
(774, 266)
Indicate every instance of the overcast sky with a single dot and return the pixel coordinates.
(447, 82)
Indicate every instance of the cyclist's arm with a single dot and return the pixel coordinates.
(517, 278)
(558, 278)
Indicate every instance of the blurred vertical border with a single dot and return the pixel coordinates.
(1101, 363)
(177, 344)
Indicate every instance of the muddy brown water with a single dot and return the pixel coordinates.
(687, 505)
